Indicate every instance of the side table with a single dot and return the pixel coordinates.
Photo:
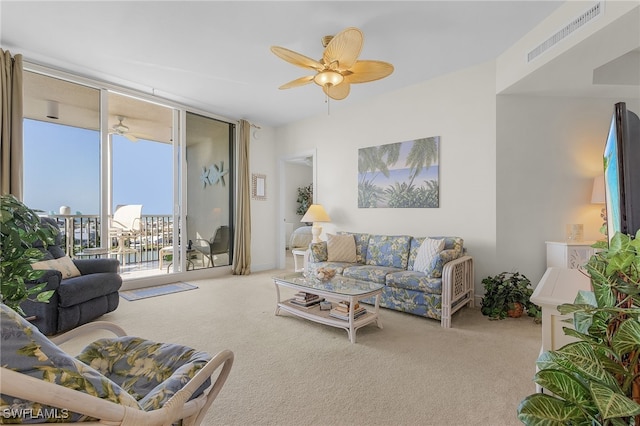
(572, 255)
(168, 250)
(303, 255)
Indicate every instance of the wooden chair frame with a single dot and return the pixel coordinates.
(176, 408)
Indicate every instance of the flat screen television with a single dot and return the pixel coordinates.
(622, 172)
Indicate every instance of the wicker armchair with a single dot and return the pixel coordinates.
(117, 381)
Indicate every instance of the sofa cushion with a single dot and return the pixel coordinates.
(362, 241)
(387, 250)
(376, 274)
(425, 258)
(341, 248)
(74, 291)
(27, 351)
(63, 264)
(413, 280)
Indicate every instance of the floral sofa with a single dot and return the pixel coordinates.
(445, 287)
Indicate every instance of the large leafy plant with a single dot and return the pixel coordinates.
(596, 380)
(506, 290)
(21, 227)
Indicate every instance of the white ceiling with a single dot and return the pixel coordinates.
(215, 55)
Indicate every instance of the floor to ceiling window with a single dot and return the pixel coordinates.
(132, 158)
(209, 188)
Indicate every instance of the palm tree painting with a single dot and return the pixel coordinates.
(400, 175)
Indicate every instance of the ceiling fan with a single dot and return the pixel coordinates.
(122, 130)
(339, 66)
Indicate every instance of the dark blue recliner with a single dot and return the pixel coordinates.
(76, 300)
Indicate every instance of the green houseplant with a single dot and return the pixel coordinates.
(21, 227)
(508, 294)
(305, 198)
(596, 380)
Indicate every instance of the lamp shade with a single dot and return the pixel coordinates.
(597, 194)
(315, 213)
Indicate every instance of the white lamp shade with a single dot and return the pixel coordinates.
(597, 194)
(315, 213)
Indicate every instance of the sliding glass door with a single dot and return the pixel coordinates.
(209, 184)
(89, 151)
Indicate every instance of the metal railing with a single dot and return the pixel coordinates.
(83, 231)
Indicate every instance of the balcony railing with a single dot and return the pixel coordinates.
(83, 231)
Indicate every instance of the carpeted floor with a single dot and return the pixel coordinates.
(289, 371)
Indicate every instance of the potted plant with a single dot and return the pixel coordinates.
(305, 198)
(508, 294)
(21, 227)
(596, 380)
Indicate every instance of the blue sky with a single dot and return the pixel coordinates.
(62, 168)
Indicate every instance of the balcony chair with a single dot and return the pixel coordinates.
(79, 297)
(125, 226)
(118, 381)
(218, 244)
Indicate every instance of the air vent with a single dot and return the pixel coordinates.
(565, 32)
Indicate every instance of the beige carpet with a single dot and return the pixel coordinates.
(289, 371)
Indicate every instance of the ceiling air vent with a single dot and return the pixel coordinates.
(565, 32)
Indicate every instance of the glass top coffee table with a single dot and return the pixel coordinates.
(343, 293)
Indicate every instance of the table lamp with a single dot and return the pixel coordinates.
(316, 214)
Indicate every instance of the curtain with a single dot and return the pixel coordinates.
(11, 123)
(242, 235)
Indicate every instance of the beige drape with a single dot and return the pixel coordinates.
(11, 123)
(242, 235)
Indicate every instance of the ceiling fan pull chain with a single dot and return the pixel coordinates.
(328, 102)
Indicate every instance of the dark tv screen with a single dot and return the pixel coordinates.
(622, 172)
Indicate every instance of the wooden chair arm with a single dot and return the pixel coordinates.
(179, 400)
(86, 329)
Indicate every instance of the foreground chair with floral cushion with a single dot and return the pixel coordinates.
(117, 381)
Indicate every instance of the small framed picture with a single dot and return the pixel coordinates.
(258, 187)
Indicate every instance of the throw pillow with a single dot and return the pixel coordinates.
(341, 248)
(63, 264)
(427, 252)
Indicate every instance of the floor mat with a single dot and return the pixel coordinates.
(144, 293)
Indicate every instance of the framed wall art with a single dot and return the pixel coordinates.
(400, 175)
(258, 187)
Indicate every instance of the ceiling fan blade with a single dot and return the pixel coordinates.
(296, 58)
(144, 136)
(338, 92)
(344, 49)
(130, 137)
(297, 82)
(364, 71)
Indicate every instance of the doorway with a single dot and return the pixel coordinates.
(297, 173)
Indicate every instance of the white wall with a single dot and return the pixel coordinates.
(548, 152)
(264, 222)
(460, 108)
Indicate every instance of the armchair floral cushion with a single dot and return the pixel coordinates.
(150, 372)
(26, 350)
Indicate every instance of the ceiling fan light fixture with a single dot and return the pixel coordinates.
(328, 77)
(339, 67)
